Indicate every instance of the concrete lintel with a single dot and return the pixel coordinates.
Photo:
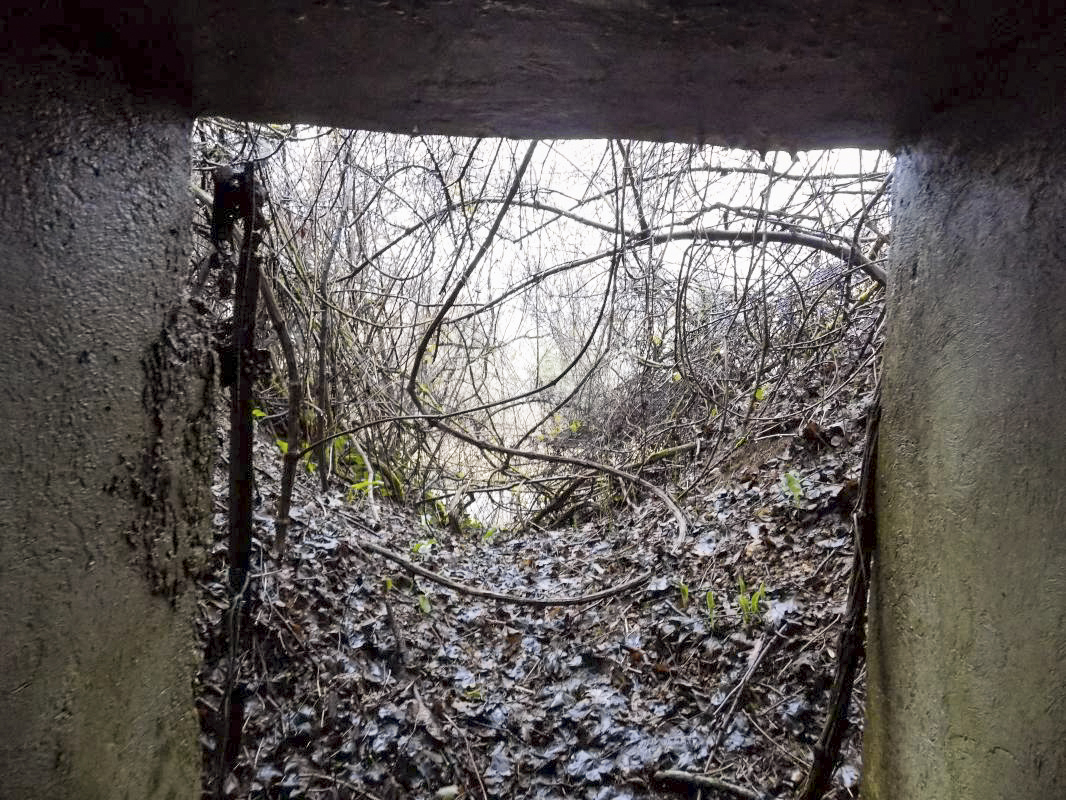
(764, 75)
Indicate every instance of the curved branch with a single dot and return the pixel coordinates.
(846, 253)
(850, 256)
(446, 306)
(475, 591)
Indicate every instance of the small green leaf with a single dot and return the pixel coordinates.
(388, 585)
(423, 604)
(675, 377)
(757, 598)
(362, 486)
(684, 594)
(283, 446)
(258, 413)
(760, 394)
(709, 599)
(794, 486)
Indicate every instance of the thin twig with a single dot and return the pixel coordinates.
(469, 752)
(733, 698)
(292, 451)
(474, 591)
(705, 782)
(369, 480)
(851, 647)
(340, 782)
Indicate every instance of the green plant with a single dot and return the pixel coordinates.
(423, 604)
(308, 460)
(711, 607)
(793, 485)
(422, 546)
(684, 593)
(362, 487)
(750, 603)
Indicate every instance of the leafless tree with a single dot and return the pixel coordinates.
(474, 322)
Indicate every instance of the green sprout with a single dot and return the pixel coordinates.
(793, 485)
(750, 603)
(422, 546)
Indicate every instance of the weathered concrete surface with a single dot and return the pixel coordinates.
(967, 650)
(103, 490)
(103, 397)
(757, 74)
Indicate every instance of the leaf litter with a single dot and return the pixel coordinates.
(359, 680)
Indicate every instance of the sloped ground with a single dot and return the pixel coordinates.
(361, 682)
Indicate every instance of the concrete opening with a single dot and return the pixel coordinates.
(105, 395)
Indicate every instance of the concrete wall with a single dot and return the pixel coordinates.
(772, 74)
(104, 394)
(104, 389)
(967, 667)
